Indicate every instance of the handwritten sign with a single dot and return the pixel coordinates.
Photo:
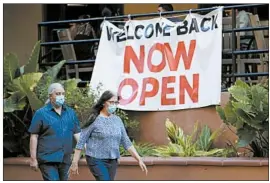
(161, 65)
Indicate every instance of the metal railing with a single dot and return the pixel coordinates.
(233, 31)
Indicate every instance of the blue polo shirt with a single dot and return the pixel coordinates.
(55, 133)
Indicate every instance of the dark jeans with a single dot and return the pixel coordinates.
(54, 171)
(102, 169)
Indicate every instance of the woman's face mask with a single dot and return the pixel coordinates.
(112, 105)
(111, 108)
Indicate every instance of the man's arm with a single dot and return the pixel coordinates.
(34, 130)
(33, 146)
(33, 151)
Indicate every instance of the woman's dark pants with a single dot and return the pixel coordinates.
(102, 169)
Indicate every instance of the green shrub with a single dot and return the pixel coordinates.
(248, 111)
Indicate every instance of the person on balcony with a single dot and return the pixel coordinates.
(103, 135)
(243, 21)
(52, 130)
(84, 31)
(168, 7)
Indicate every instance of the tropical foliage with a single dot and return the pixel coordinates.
(196, 144)
(25, 91)
(248, 112)
(143, 149)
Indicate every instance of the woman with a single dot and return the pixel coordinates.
(103, 135)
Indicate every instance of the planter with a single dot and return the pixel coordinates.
(153, 130)
(176, 168)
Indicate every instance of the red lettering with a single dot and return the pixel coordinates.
(134, 85)
(165, 90)
(166, 51)
(180, 52)
(147, 94)
(156, 68)
(193, 92)
(131, 55)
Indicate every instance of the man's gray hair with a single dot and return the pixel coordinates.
(52, 88)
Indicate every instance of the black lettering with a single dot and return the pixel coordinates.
(205, 29)
(148, 35)
(129, 37)
(166, 30)
(121, 37)
(114, 33)
(194, 26)
(136, 31)
(158, 29)
(109, 33)
(182, 29)
(214, 22)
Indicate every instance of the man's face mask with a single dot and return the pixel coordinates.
(60, 100)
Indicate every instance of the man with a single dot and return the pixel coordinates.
(168, 7)
(52, 129)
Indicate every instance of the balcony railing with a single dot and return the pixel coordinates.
(233, 52)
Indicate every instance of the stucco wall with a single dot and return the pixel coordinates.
(176, 168)
(20, 28)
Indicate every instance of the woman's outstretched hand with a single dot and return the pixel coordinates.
(143, 167)
(74, 169)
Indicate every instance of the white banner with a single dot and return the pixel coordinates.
(160, 65)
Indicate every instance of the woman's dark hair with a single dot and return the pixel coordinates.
(107, 95)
